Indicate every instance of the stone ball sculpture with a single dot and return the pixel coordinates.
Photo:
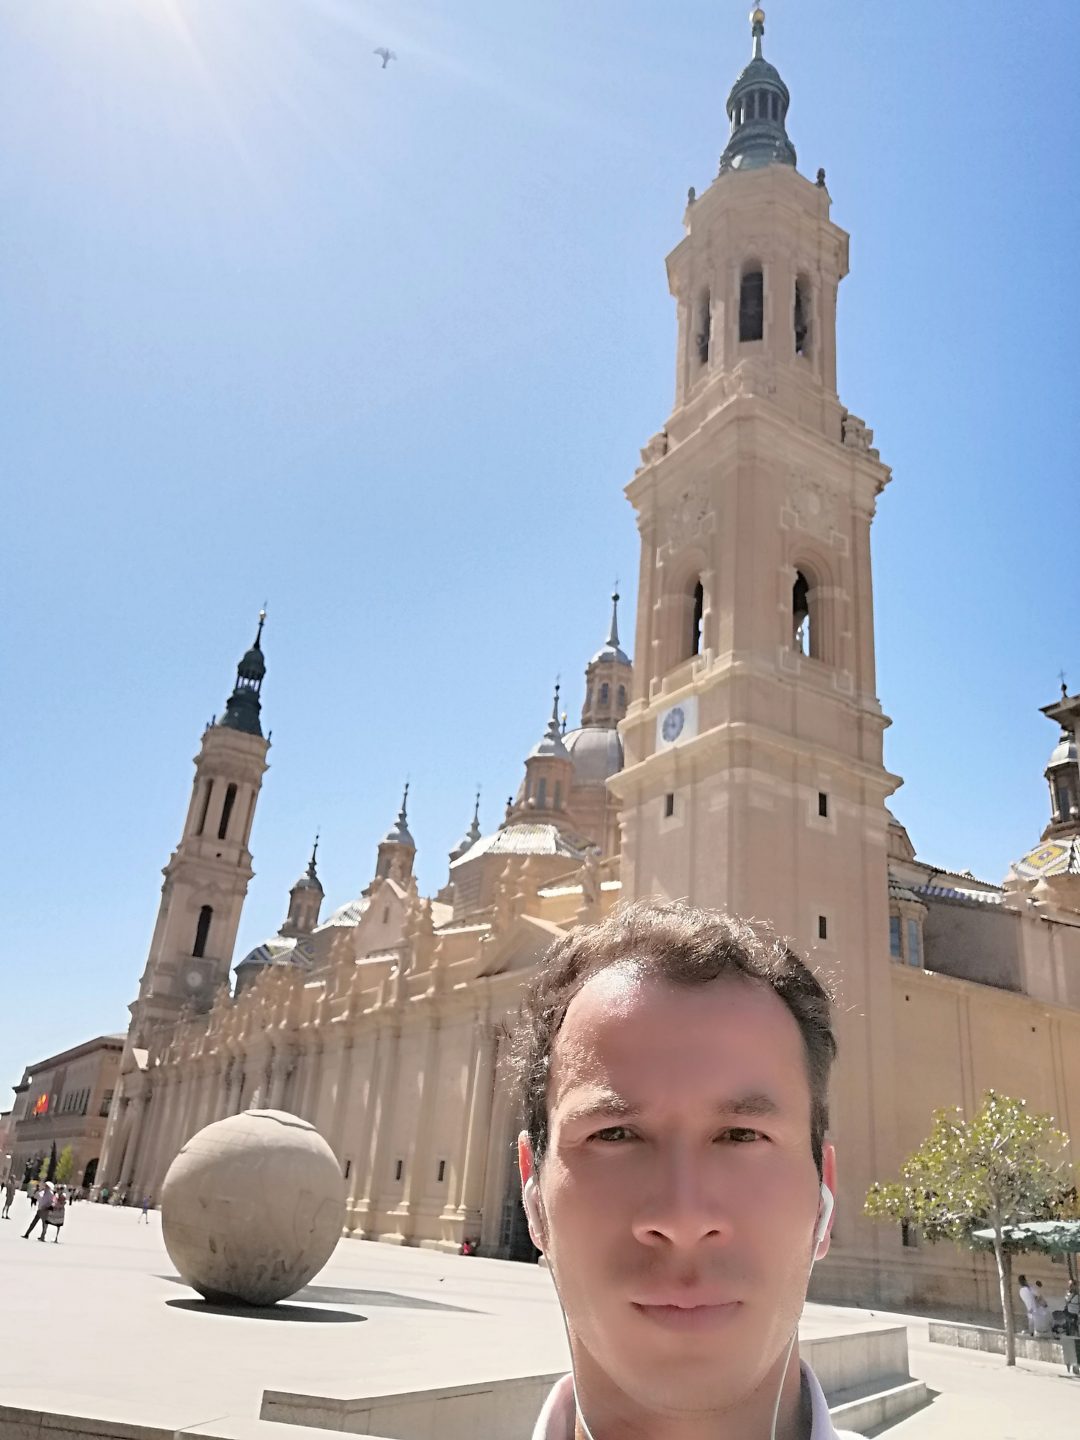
(252, 1207)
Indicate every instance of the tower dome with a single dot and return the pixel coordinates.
(244, 705)
(757, 109)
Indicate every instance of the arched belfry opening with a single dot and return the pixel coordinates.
(801, 316)
(703, 328)
(751, 304)
(697, 618)
(226, 811)
(807, 636)
(202, 931)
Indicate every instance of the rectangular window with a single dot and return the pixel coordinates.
(823, 804)
(895, 948)
(822, 928)
(914, 943)
(669, 804)
(541, 792)
(909, 1235)
(106, 1101)
(399, 1169)
(442, 1170)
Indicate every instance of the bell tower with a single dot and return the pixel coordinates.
(206, 880)
(754, 778)
(208, 873)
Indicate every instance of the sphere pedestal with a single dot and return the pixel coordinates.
(252, 1207)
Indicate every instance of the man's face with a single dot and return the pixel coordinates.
(679, 1189)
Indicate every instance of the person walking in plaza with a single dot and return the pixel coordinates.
(54, 1216)
(9, 1196)
(1027, 1296)
(44, 1205)
(146, 1208)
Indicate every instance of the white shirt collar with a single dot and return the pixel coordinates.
(556, 1420)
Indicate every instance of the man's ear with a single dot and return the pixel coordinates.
(530, 1192)
(828, 1175)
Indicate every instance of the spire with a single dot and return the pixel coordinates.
(757, 109)
(310, 878)
(611, 648)
(472, 834)
(613, 633)
(398, 834)
(242, 709)
(757, 30)
(552, 741)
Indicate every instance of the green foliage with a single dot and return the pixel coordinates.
(1003, 1167)
(43, 1169)
(65, 1165)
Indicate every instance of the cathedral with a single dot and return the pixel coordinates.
(736, 761)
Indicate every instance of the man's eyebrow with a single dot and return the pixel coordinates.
(755, 1103)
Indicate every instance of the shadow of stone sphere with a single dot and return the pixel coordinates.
(294, 1314)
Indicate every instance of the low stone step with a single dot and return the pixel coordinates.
(870, 1413)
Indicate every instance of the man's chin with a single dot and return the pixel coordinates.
(675, 1372)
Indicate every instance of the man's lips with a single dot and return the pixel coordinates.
(689, 1313)
(683, 1298)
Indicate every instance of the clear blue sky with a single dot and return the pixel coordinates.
(380, 347)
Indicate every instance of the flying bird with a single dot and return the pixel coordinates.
(386, 55)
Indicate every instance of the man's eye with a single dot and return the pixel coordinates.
(612, 1135)
(740, 1135)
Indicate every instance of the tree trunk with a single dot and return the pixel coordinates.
(1004, 1268)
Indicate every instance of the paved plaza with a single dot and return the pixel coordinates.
(99, 1326)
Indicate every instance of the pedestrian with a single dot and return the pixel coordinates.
(146, 1208)
(1042, 1318)
(44, 1205)
(1027, 1295)
(54, 1216)
(9, 1196)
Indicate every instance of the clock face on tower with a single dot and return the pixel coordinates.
(194, 979)
(673, 722)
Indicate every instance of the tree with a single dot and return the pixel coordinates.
(43, 1169)
(65, 1165)
(1004, 1167)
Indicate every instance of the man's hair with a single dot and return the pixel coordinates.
(682, 945)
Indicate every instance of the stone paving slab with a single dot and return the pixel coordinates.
(99, 1324)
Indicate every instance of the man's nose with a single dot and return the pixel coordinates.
(683, 1205)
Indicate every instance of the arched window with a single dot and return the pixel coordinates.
(801, 317)
(558, 794)
(541, 792)
(202, 932)
(800, 615)
(703, 332)
(205, 807)
(226, 812)
(752, 305)
(605, 692)
(622, 697)
(697, 619)
(1063, 797)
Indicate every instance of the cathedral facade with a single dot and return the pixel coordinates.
(737, 762)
